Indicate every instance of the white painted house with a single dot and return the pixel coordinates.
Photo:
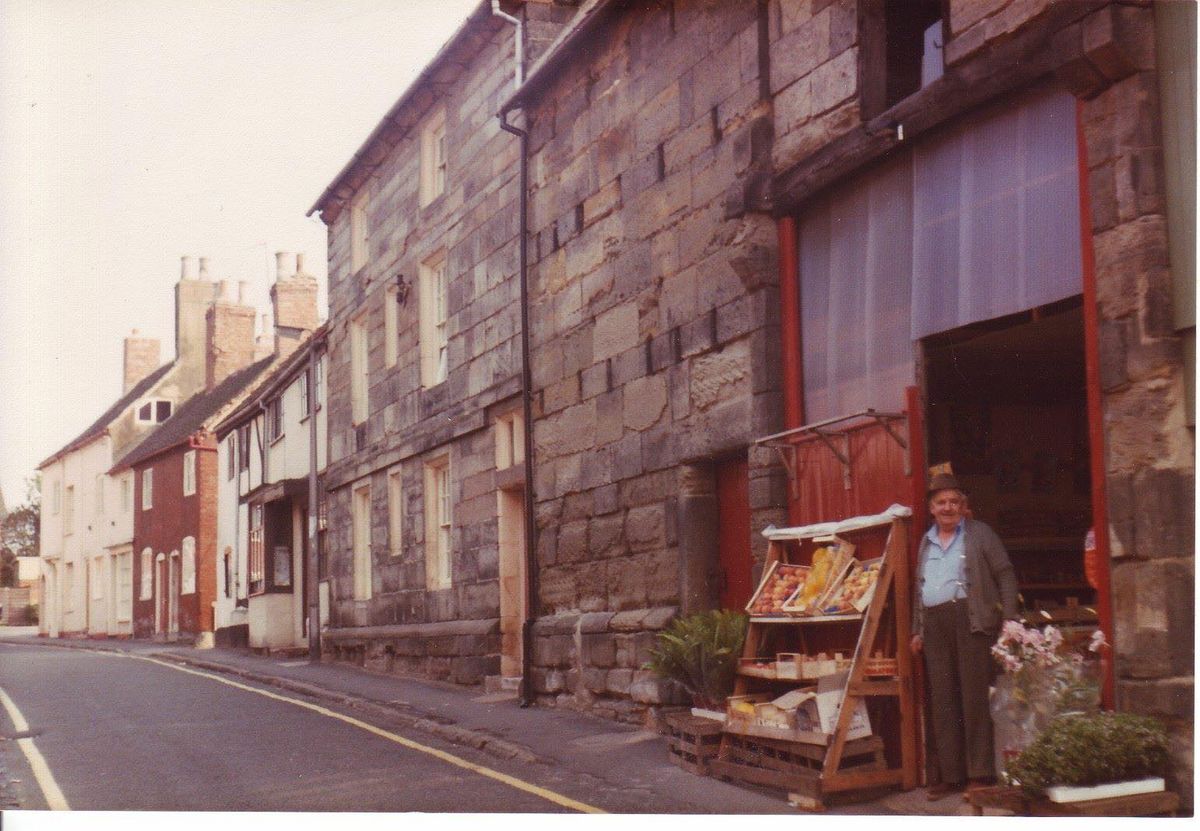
(86, 536)
(265, 456)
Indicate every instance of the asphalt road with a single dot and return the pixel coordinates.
(123, 733)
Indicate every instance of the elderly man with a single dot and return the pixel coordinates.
(965, 588)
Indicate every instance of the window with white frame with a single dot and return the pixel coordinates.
(243, 447)
(189, 473)
(154, 411)
(126, 493)
(361, 511)
(124, 585)
(510, 439)
(231, 461)
(391, 334)
(69, 510)
(306, 405)
(358, 371)
(360, 230)
(147, 489)
(147, 575)
(188, 570)
(257, 555)
(434, 325)
(395, 513)
(433, 157)
(275, 419)
(437, 524)
(318, 380)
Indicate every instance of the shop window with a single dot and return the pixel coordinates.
(243, 447)
(227, 571)
(257, 564)
(147, 489)
(124, 585)
(901, 50)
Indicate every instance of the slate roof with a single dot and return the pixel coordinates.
(279, 376)
(98, 427)
(192, 415)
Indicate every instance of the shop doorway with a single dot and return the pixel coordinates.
(1006, 406)
(733, 533)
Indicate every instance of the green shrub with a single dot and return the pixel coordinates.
(1092, 749)
(700, 652)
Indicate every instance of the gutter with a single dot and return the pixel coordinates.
(531, 574)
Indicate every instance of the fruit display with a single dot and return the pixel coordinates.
(829, 563)
(780, 582)
(853, 592)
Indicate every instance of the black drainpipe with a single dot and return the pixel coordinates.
(527, 695)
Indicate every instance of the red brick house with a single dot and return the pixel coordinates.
(175, 489)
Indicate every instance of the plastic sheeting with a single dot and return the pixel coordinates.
(975, 223)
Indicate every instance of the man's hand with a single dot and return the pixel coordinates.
(916, 645)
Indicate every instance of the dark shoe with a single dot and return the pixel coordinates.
(942, 790)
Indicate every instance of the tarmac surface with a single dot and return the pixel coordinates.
(562, 744)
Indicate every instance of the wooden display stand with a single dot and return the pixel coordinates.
(1015, 800)
(812, 765)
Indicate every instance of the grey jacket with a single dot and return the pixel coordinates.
(991, 581)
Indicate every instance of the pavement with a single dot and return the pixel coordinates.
(580, 743)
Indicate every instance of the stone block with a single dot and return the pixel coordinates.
(593, 679)
(627, 620)
(1170, 698)
(561, 394)
(592, 588)
(606, 536)
(615, 331)
(572, 542)
(594, 380)
(1164, 513)
(662, 576)
(618, 681)
(627, 457)
(698, 335)
(473, 669)
(645, 527)
(647, 688)
(548, 681)
(599, 650)
(803, 46)
(645, 402)
(664, 350)
(659, 447)
(594, 622)
(625, 583)
(630, 364)
(602, 203)
(718, 377)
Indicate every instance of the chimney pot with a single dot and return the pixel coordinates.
(185, 268)
(299, 262)
(243, 292)
(279, 266)
(224, 291)
(204, 268)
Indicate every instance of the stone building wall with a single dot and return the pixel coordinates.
(654, 309)
(1103, 53)
(450, 634)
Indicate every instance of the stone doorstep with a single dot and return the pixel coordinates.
(494, 684)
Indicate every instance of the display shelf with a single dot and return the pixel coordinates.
(802, 619)
(831, 762)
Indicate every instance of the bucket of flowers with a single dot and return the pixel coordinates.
(1042, 677)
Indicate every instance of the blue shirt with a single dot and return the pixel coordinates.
(943, 578)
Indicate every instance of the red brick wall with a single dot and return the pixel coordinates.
(163, 527)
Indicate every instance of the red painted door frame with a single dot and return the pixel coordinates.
(1095, 411)
(733, 532)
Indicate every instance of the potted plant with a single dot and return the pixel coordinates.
(700, 653)
(1093, 756)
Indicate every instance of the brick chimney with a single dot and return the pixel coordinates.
(264, 344)
(294, 301)
(229, 335)
(193, 298)
(142, 356)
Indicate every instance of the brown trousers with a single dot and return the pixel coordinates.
(959, 668)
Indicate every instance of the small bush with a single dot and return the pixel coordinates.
(1092, 749)
(700, 652)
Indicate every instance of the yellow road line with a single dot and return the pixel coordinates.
(449, 758)
(41, 771)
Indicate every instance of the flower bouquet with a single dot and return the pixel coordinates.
(1042, 678)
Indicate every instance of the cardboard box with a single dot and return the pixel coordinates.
(828, 701)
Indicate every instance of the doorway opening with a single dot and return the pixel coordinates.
(1007, 408)
(510, 509)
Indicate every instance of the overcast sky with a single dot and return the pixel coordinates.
(137, 131)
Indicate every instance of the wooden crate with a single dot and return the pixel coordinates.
(692, 742)
(790, 766)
